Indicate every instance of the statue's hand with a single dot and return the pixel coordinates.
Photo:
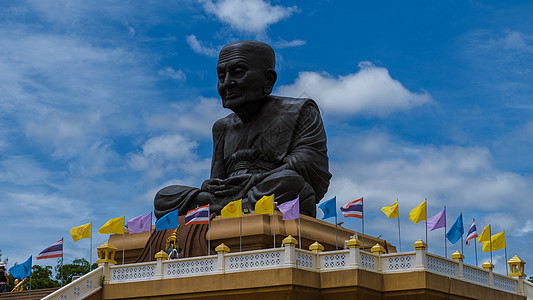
(212, 185)
(232, 186)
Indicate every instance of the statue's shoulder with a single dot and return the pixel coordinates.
(290, 104)
(221, 124)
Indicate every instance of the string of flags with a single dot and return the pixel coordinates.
(266, 205)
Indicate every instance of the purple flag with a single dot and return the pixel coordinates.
(290, 209)
(437, 221)
(140, 224)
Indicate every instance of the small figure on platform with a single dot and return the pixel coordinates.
(171, 248)
(268, 145)
(19, 285)
(4, 279)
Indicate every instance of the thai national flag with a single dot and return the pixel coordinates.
(56, 250)
(199, 215)
(353, 209)
(472, 232)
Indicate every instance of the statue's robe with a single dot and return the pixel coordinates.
(281, 151)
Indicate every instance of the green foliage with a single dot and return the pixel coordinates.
(78, 267)
(41, 278)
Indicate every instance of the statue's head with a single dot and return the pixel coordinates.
(245, 73)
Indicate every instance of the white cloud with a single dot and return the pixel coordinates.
(197, 47)
(250, 16)
(515, 40)
(527, 228)
(371, 91)
(195, 117)
(288, 44)
(166, 155)
(178, 75)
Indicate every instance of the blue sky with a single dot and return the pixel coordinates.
(104, 103)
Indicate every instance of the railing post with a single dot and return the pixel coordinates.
(379, 250)
(458, 257)
(354, 258)
(106, 255)
(516, 265)
(316, 247)
(221, 251)
(290, 254)
(160, 256)
(420, 255)
(489, 267)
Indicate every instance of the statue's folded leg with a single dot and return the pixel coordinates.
(286, 185)
(182, 198)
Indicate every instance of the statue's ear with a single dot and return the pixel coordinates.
(270, 80)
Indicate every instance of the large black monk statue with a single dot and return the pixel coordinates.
(268, 145)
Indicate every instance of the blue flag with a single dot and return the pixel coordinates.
(456, 231)
(168, 221)
(21, 271)
(329, 208)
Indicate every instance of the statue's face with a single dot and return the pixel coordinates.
(241, 78)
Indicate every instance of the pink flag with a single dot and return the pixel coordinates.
(437, 221)
(140, 224)
(290, 209)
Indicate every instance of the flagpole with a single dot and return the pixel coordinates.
(363, 221)
(123, 240)
(209, 230)
(362, 224)
(427, 242)
(399, 235)
(150, 238)
(91, 253)
(299, 232)
(274, 217)
(336, 243)
(506, 268)
(475, 249)
(490, 242)
(177, 238)
(445, 229)
(61, 270)
(29, 297)
(240, 236)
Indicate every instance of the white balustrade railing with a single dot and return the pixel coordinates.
(504, 283)
(190, 266)
(306, 259)
(475, 275)
(398, 262)
(80, 288)
(368, 261)
(333, 259)
(290, 257)
(441, 265)
(259, 259)
(135, 272)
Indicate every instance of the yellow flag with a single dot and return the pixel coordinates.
(115, 225)
(81, 232)
(498, 242)
(265, 205)
(418, 213)
(391, 211)
(485, 235)
(232, 210)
